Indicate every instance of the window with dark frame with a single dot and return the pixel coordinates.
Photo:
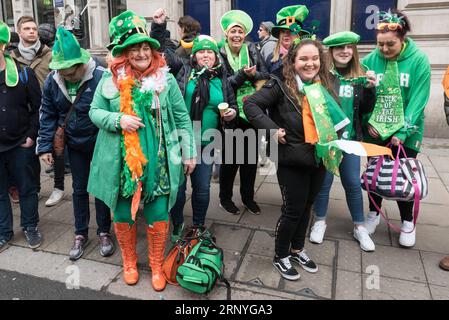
(365, 18)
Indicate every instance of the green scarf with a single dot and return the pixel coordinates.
(388, 114)
(11, 73)
(236, 64)
(328, 118)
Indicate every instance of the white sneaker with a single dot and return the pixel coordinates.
(372, 221)
(407, 239)
(318, 230)
(362, 236)
(55, 198)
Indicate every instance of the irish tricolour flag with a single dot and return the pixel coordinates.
(355, 147)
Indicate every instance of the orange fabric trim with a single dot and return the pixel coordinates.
(446, 83)
(310, 133)
(134, 157)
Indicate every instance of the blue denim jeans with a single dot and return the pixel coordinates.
(80, 165)
(200, 181)
(350, 178)
(19, 164)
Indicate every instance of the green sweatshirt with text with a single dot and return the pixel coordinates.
(414, 70)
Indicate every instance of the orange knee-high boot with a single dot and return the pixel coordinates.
(127, 237)
(156, 236)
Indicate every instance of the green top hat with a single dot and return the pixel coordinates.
(67, 51)
(203, 42)
(236, 18)
(127, 29)
(291, 18)
(341, 39)
(11, 73)
(5, 34)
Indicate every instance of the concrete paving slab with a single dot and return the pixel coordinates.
(349, 285)
(258, 270)
(428, 238)
(230, 237)
(435, 275)
(219, 293)
(349, 256)
(395, 289)
(269, 194)
(62, 212)
(323, 254)
(429, 214)
(439, 293)
(57, 267)
(51, 231)
(63, 244)
(143, 290)
(440, 163)
(262, 244)
(231, 260)
(267, 219)
(317, 285)
(438, 193)
(394, 263)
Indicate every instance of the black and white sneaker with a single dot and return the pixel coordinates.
(252, 207)
(286, 269)
(229, 207)
(304, 261)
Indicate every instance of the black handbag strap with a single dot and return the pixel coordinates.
(77, 98)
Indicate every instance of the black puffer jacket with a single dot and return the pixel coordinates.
(284, 113)
(364, 102)
(237, 79)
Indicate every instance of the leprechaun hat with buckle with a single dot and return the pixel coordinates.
(291, 18)
(127, 29)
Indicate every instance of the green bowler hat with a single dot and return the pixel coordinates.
(341, 39)
(67, 51)
(203, 42)
(236, 18)
(291, 18)
(127, 29)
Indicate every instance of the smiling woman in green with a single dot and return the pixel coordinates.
(403, 89)
(355, 88)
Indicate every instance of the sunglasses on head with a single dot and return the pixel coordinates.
(390, 26)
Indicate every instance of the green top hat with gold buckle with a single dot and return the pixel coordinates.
(291, 18)
(127, 29)
(11, 73)
(341, 39)
(236, 18)
(67, 51)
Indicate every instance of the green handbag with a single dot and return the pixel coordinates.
(203, 266)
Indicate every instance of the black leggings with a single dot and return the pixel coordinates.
(299, 187)
(405, 207)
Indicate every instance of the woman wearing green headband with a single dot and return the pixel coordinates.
(204, 86)
(403, 73)
(357, 95)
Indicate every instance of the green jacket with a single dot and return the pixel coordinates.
(414, 69)
(104, 178)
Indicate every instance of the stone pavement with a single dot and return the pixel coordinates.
(345, 272)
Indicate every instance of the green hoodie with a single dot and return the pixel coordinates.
(414, 69)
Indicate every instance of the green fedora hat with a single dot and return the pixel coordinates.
(341, 39)
(234, 18)
(291, 18)
(127, 29)
(203, 42)
(11, 73)
(67, 51)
